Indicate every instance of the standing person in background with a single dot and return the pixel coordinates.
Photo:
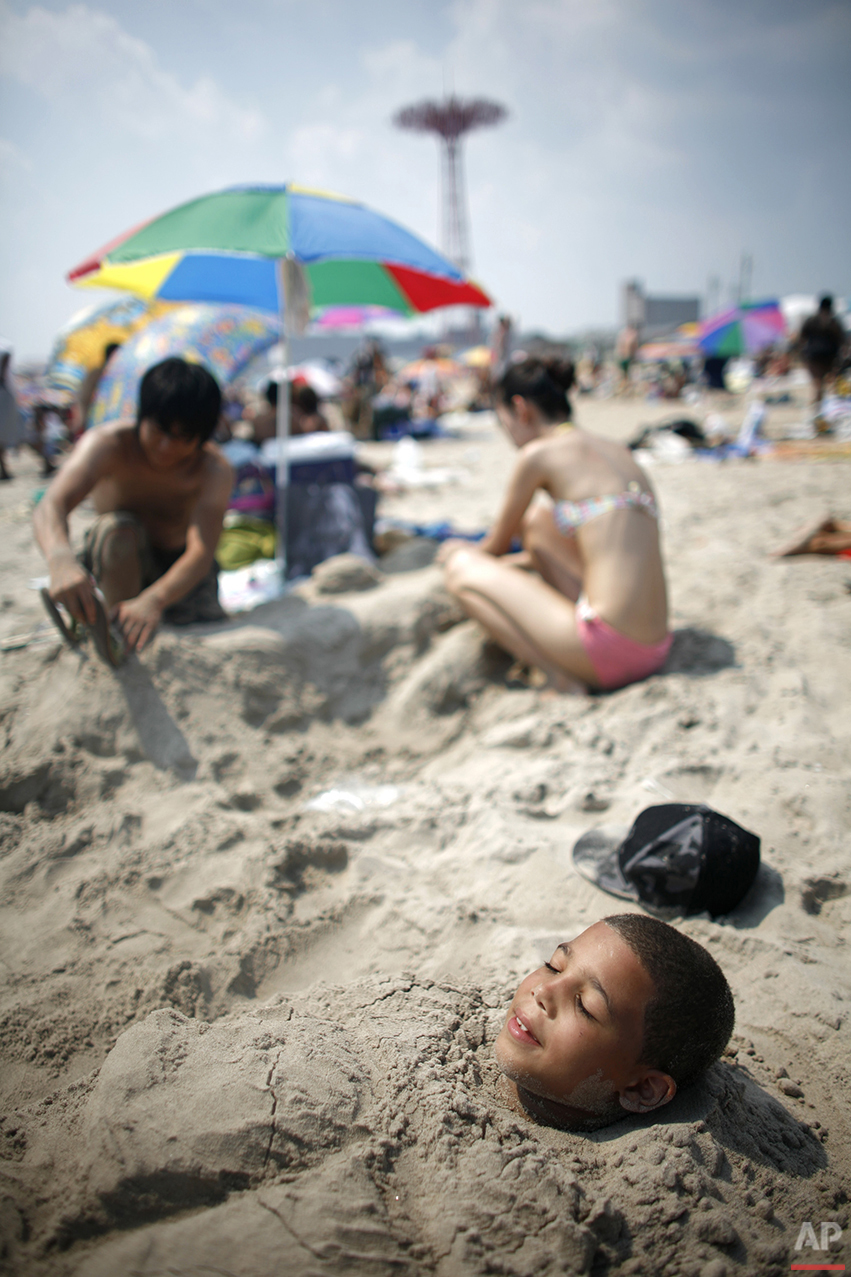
(429, 398)
(822, 338)
(500, 347)
(367, 376)
(11, 422)
(625, 351)
(43, 436)
(358, 391)
(593, 610)
(88, 390)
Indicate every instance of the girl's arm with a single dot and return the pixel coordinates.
(527, 477)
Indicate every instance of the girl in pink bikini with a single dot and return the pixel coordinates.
(585, 600)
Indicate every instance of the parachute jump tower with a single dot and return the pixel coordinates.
(450, 120)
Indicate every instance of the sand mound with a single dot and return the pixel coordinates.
(364, 1129)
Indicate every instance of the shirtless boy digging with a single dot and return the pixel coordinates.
(161, 490)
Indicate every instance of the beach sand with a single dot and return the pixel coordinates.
(245, 1036)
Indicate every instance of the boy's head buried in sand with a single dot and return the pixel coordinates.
(614, 1023)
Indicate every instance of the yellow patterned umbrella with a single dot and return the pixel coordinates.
(82, 343)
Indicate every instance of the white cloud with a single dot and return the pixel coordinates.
(83, 59)
(400, 68)
(320, 150)
(12, 159)
(349, 144)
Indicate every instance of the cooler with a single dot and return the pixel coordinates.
(325, 457)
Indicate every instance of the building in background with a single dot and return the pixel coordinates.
(654, 317)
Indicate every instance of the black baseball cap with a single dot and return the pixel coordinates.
(677, 857)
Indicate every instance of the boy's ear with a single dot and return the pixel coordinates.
(649, 1092)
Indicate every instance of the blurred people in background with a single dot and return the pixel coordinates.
(262, 417)
(47, 433)
(500, 347)
(762, 361)
(821, 340)
(305, 415)
(233, 407)
(428, 402)
(713, 371)
(828, 536)
(367, 376)
(586, 377)
(674, 378)
(88, 390)
(11, 422)
(626, 348)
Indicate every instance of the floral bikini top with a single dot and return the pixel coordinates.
(570, 515)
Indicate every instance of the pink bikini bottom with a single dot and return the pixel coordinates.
(618, 660)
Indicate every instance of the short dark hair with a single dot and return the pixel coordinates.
(688, 1023)
(826, 302)
(545, 382)
(302, 395)
(181, 398)
(305, 398)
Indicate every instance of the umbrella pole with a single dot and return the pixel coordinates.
(282, 428)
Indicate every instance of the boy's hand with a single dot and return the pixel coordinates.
(138, 618)
(71, 585)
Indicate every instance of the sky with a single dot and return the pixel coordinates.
(649, 139)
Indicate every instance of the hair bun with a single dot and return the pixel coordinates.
(561, 371)
(545, 382)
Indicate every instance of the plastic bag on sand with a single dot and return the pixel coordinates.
(407, 468)
(246, 588)
(351, 795)
(670, 448)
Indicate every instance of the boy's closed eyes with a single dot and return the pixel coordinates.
(594, 1031)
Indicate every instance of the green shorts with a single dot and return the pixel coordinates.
(200, 604)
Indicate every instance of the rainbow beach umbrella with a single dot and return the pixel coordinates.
(743, 330)
(285, 249)
(227, 247)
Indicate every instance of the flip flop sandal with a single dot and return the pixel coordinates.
(69, 630)
(107, 638)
